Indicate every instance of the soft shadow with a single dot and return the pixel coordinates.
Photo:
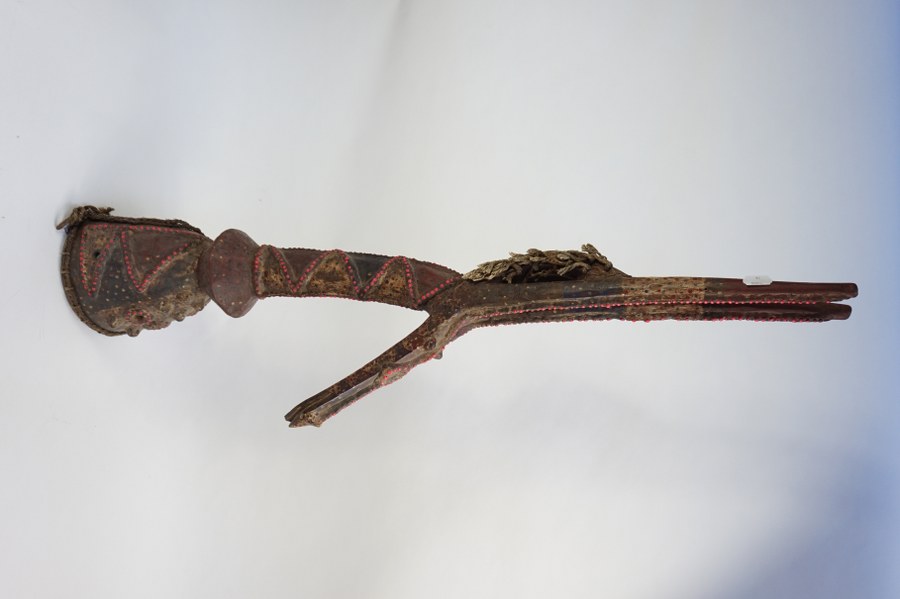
(847, 557)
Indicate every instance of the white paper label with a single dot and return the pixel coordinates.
(757, 280)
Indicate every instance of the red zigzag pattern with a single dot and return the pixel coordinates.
(90, 277)
(361, 291)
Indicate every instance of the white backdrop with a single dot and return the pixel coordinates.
(678, 460)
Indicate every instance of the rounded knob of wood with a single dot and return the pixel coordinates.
(225, 272)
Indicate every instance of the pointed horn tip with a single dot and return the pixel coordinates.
(296, 421)
(81, 213)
